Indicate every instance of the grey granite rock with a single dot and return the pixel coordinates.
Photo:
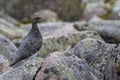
(10, 31)
(24, 71)
(65, 66)
(115, 13)
(7, 48)
(99, 54)
(109, 30)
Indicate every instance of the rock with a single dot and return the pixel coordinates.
(95, 18)
(24, 72)
(19, 73)
(62, 42)
(48, 15)
(94, 9)
(8, 18)
(33, 61)
(10, 31)
(98, 54)
(115, 13)
(7, 49)
(110, 35)
(4, 66)
(65, 66)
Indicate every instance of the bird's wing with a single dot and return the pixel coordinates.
(27, 42)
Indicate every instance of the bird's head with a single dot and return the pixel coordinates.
(38, 20)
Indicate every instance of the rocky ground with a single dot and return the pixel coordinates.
(78, 50)
(66, 54)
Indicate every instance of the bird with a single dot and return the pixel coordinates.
(30, 44)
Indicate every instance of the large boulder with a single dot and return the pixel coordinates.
(99, 54)
(65, 66)
(62, 42)
(90, 57)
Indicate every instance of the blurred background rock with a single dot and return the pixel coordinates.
(67, 10)
(20, 9)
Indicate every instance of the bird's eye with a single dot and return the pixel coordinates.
(38, 18)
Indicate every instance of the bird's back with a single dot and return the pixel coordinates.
(30, 45)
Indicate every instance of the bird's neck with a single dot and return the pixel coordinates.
(34, 28)
(34, 25)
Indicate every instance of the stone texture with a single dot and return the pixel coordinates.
(61, 43)
(94, 8)
(65, 66)
(4, 66)
(98, 54)
(7, 18)
(108, 29)
(10, 31)
(7, 49)
(24, 71)
(115, 13)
